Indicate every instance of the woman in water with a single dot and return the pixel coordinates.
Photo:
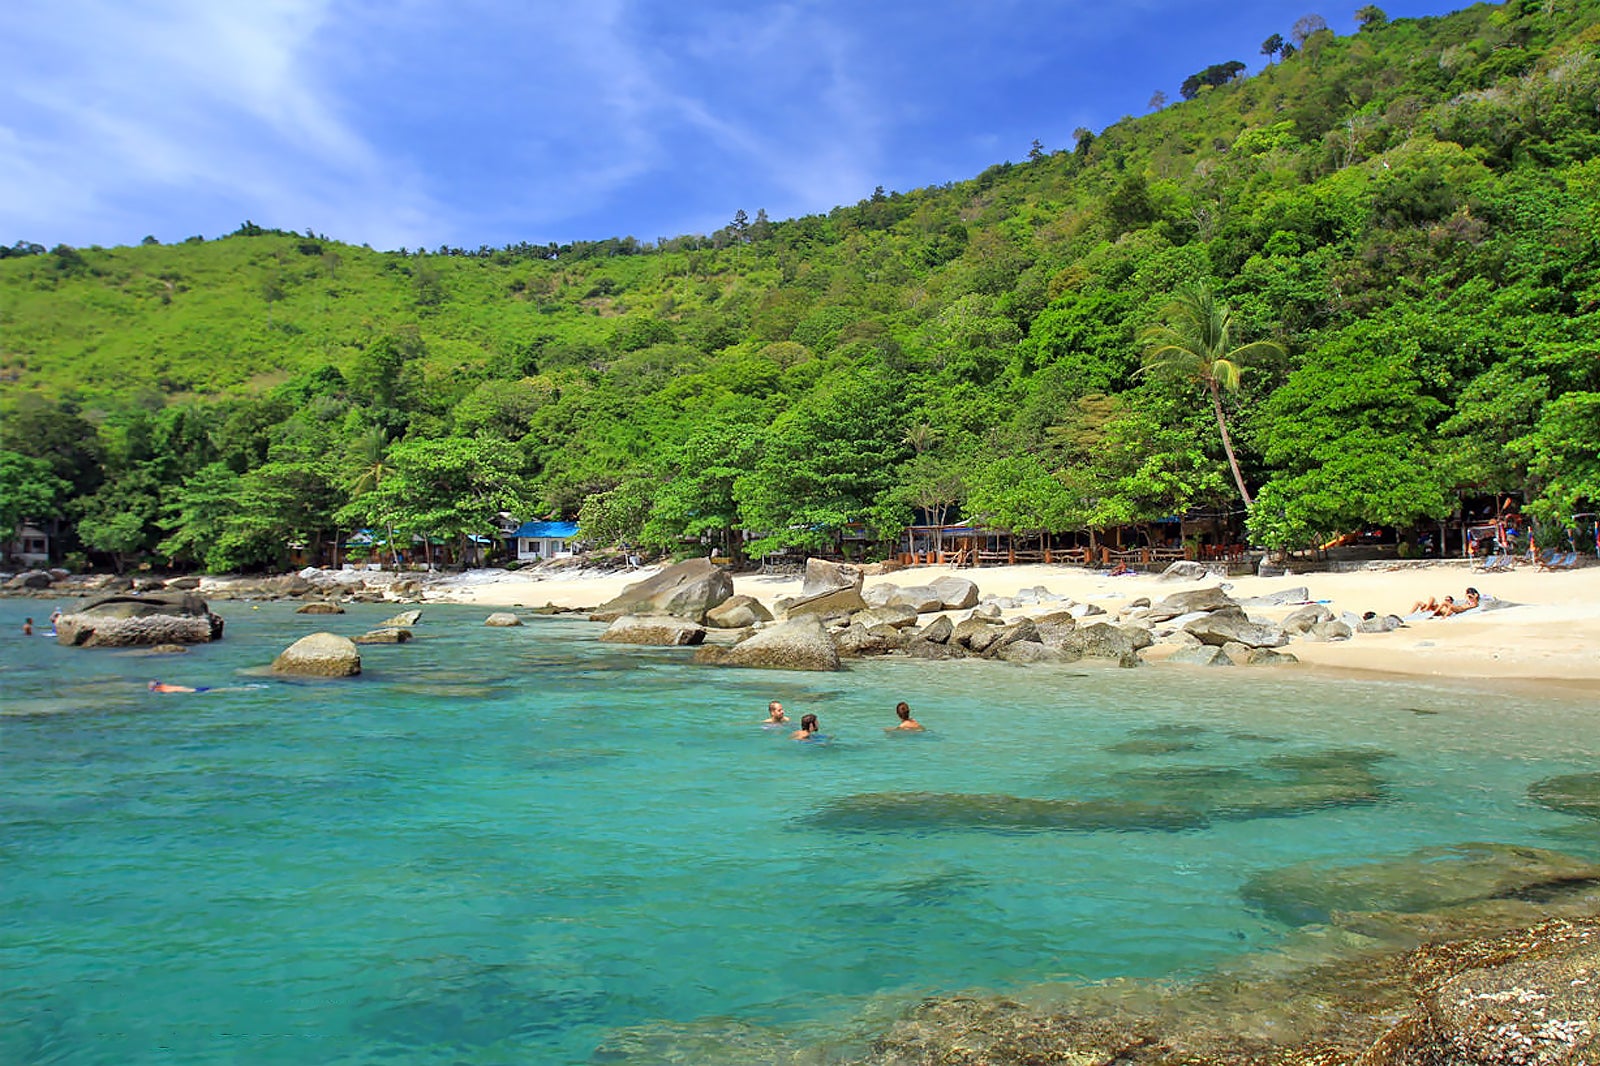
(903, 709)
(808, 728)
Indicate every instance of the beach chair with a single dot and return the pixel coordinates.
(1495, 564)
(1560, 561)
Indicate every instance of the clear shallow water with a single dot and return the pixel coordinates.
(522, 845)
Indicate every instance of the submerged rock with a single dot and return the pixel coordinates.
(1422, 881)
(320, 607)
(956, 810)
(319, 655)
(1577, 794)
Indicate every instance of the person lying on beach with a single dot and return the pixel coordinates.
(903, 709)
(162, 686)
(808, 728)
(1448, 606)
(775, 715)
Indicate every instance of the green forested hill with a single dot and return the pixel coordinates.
(1411, 216)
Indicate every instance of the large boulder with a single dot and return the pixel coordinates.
(686, 590)
(921, 598)
(1185, 570)
(403, 620)
(1200, 655)
(1232, 625)
(503, 620)
(319, 655)
(1332, 629)
(897, 615)
(1102, 640)
(320, 607)
(1027, 653)
(835, 603)
(958, 593)
(738, 612)
(797, 644)
(823, 576)
(976, 634)
(937, 631)
(858, 640)
(879, 595)
(31, 579)
(1181, 603)
(1297, 622)
(139, 621)
(660, 631)
(1022, 631)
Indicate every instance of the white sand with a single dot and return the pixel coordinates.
(1553, 634)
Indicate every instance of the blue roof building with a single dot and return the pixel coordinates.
(542, 540)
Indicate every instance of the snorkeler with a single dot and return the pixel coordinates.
(808, 728)
(161, 686)
(903, 709)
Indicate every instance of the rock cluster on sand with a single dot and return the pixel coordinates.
(136, 621)
(319, 655)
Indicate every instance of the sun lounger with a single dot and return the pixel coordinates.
(1496, 563)
(1560, 561)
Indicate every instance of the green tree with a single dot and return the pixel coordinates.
(1196, 343)
(454, 487)
(120, 518)
(29, 491)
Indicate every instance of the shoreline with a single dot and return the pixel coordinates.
(1545, 638)
(1547, 635)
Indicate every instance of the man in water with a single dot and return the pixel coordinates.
(162, 686)
(27, 627)
(903, 709)
(775, 715)
(808, 728)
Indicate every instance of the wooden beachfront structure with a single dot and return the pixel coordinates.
(967, 545)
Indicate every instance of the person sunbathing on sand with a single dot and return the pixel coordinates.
(1448, 606)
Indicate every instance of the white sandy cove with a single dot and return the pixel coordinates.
(1552, 634)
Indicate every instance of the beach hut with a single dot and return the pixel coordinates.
(534, 541)
(31, 546)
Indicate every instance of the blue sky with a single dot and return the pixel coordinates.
(467, 122)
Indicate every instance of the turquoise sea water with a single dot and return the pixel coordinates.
(524, 846)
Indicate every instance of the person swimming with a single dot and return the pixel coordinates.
(161, 686)
(903, 709)
(808, 728)
(775, 715)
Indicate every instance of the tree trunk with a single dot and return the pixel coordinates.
(1227, 443)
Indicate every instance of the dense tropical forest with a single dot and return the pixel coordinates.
(1349, 291)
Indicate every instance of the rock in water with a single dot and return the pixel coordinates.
(319, 655)
(656, 630)
(403, 620)
(387, 635)
(502, 618)
(798, 644)
(320, 607)
(687, 590)
(137, 621)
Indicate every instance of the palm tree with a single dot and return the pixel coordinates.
(1195, 343)
(372, 466)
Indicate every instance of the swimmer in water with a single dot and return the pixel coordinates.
(903, 709)
(27, 627)
(808, 728)
(775, 715)
(161, 686)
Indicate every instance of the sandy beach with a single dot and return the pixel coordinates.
(1551, 631)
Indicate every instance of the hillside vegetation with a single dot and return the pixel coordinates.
(1409, 218)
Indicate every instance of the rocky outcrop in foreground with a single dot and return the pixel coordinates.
(798, 644)
(139, 621)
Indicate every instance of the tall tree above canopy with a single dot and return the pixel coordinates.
(1196, 342)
